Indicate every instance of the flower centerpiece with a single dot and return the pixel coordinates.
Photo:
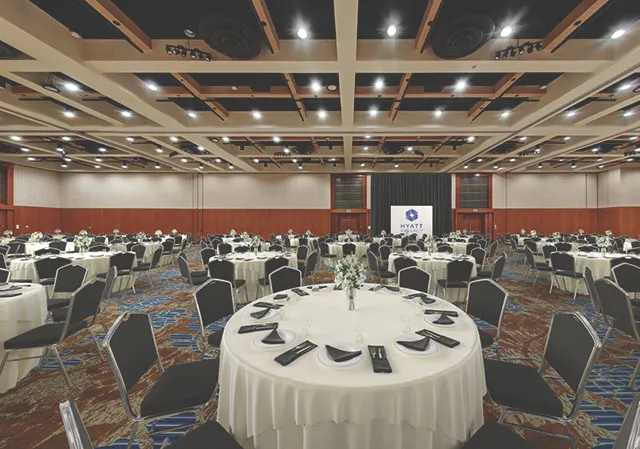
(308, 233)
(523, 231)
(233, 233)
(348, 233)
(35, 236)
(256, 243)
(350, 275)
(82, 241)
(290, 232)
(141, 236)
(556, 235)
(604, 242)
(608, 233)
(383, 233)
(581, 231)
(457, 234)
(464, 232)
(57, 231)
(158, 233)
(8, 233)
(533, 233)
(174, 232)
(116, 231)
(430, 243)
(244, 236)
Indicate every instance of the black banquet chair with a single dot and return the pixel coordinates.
(270, 266)
(627, 276)
(495, 272)
(414, 278)
(69, 278)
(60, 245)
(285, 278)
(47, 267)
(458, 275)
(225, 269)
(564, 265)
(486, 300)
(132, 351)
(213, 301)
(124, 263)
(572, 348)
(400, 263)
(193, 277)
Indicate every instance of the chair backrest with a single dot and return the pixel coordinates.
(45, 251)
(167, 245)
(348, 249)
(616, 305)
(635, 244)
(122, 261)
(272, 265)
(222, 269)
(275, 247)
(486, 300)
(85, 303)
(302, 252)
(593, 293)
(214, 301)
(633, 251)
(206, 254)
(69, 278)
(403, 262)
(303, 241)
(586, 249)
(412, 247)
(627, 276)
(445, 249)
(498, 267)
(470, 247)
(17, 248)
(4, 275)
(177, 240)
(375, 247)
(139, 251)
(562, 261)
(77, 435)
(385, 251)
(629, 434)
(372, 261)
(241, 249)
(109, 282)
(98, 248)
(155, 259)
(324, 249)
(533, 246)
(414, 278)
(129, 245)
(129, 362)
(529, 257)
(459, 270)
(285, 278)
(492, 249)
(624, 259)
(563, 246)
(100, 239)
(58, 244)
(479, 255)
(225, 248)
(310, 267)
(548, 249)
(183, 266)
(571, 349)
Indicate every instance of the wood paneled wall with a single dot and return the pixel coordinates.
(43, 219)
(620, 220)
(545, 221)
(265, 221)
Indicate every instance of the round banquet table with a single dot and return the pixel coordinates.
(264, 246)
(436, 265)
(336, 248)
(396, 241)
(250, 267)
(458, 247)
(149, 249)
(600, 266)
(627, 244)
(295, 241)
(32, 247)
(94, 262)
(19, 314)
(427, 402)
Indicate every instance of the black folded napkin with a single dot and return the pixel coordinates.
(299, 292)
(375, 288)
(379, 359)
(9, 295)
(273, 338)
(10, 288)
(392, 288)
(261, 314)
(320, 287)
(443, 340)
(441, 312)
(268, 305)
(280, 296)
(338, 355)
(335, 287)
(417, 345)
(291, 355)
(257, 328)
(444, 319)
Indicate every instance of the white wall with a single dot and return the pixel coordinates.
(545, 191)
(619, 188)
(250, 191)
(33, 187)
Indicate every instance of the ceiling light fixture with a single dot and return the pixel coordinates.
(373, 112)
(201, 166)
(378, 84)
(294, 160)
(565, 138)
(571, 113)
(438, 112)
(299, 166)
(628, 113)
(322, 114)
(256, 160)
(513, 51)
(68, 159)
(102, 149)
(225, 139)
(506, 31)
(316, 86)
(276, 139)
(192, 114)
(396, 165)
(523, 138)
(31, 158)
(409, 149)
(24, 150)
(96, 166)
(130, 139)
(513, 159)
(286, 150)
(15, 138)
(125, 164)
(64, 164)
(151, 86)
(173, 138)
(367, 137)
(69, 114)
(618, 33)
(193, 53)
(601, 166)
(461, 85)
(539, 164)
(630, 159)
(71, 86)
(127, 114)
(218, 160)
(157, 165)
(66, 138)
(184, 160)
(200, 148)
(538, 149)
(60, 148)
(98, 159)
(595, 150)
(392, 30)
(465, 166)
(257, 115)
(302, 33)
(625, 86)
(505, 114)
(365, 148)
(230, 167)
(574, 165)
(496, 166)
(471, 139)
(600, 159)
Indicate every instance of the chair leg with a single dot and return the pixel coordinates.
(575, 291)
(4, 361)
(93, 336)
(132, 436)
(42, 359)
(64, 371)
(634, 376)
(133, 283)
(526, 275)
(536, 278)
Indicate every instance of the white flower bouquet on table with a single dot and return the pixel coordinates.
(464, 232)
(348, 233)
(350, 274)
(256, 243)
(383, 233)
(141, 236)
(244, 236)
(158, 233)
(174, 232)
(233, 233)
(35, 236)
(604, 242)
(581, 231)
(608, 233)
(523, 231)
(116, 231)
(57, 231)
(430, 243)
(81, 242)
(83, 233)
(457, 234)
(556, 235)
(8, 233)
(308, 233)
(533, 233)
(290, 232)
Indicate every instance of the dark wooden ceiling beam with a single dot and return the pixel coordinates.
(115, 16)
(580, 14)
(258, 146)
(293, 89)
(404, 84)
(430, 13)
(316, 148)
(194, 88)
(500, 89)
(435, 149)
(268, 27)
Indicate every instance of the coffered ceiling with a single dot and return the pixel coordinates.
(271, 86)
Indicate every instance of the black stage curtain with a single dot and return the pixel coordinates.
(420, 189)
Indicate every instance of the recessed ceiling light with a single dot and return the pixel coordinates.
(561, 159)
(636, 150)
(102, 149)
(523, 138)
(15, 138)
(31, 158)
(574, 165)
(302, 33)
(378, 84)
(365, 148)
(633, 137)
(479, 159)
(234, 87)
(184, 160)
(201, 166)
(396, 165)
(618, 33)
(286, 150)
(625, 86)
(571, 113)
(157, 164)
(174, 138)
(316, 86)
(218, 160)
(71, 87)
(465, 166)
(461, 85)
(200, 148)
(50, 87)
(409, 148)
(76, 34)
(373, 112)
(189, 33)
(276, 139)
(69, 114)
(294, 160)
(64, 164)
(513, 159)
(566, 138)
(367, 137)
(130, 139)
(628, 113)
(630, 159)
(225, 139)
(600, 159)
(539, 164)
(24, 150)
(256, 160)
(127, 114)
(437, 113)
(538, 149)
(68, 159)
(362, 164)
(506, 31)
(152, 86)
(66, 138)
(158, 150)
(60, 148)
(96, 166)
(98, 159)
(471, 139)
(322, 114)
(333, 159)
(230, 167)
(332, 87)
(595, 150)
(299, 166)
(496, 166)
(601, 166)
(125, 164)
(392, 30)
(505, 114)
(257, 115)
(192, 114)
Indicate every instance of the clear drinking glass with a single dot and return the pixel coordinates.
(359, 334)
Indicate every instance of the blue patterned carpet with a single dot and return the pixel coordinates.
(30, 416)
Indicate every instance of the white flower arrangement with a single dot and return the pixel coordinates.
(256, 242)
(464, 232)
(8, 233)
(141, 236)
(116, 231)
(83, 233)
(608, 233)
(458, 233)
(57, 231)
(556, 235)
(174, 231)
(523, 231)
(383, 233)
(533, 233)
(244, 236)
(430, 242)
(348, 233)
(581, 231)
(308, 233)
(604, 242)
(290, 231)
(36, 236)
(158, 233)
(350, 273)
(82, 241)
(233, 233)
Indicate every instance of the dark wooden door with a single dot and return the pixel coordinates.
(473, 223)
(348, 222)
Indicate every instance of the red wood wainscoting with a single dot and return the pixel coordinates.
(30, 219)
(620, 220)
(545, 221)
(266, 221)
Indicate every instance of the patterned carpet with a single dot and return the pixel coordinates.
(30, 416)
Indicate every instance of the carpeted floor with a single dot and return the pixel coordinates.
(30, 417)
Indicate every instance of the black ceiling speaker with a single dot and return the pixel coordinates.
(8, 52)
(303, 148)
(231, 37)
(390, 148)
(462, 36)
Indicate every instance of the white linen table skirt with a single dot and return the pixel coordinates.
(32, 247)
(396, 241)
(600, 266)
(149, 249)
(20, 314)
(432, 402)
(336, 248)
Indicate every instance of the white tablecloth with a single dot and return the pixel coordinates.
(627, 244)
(295, 242)
(436, 265)
(18, 315)
(31, 248)
(336, 248)
(251, 268)
(430, 402)
(600, 266)
(396, 241)
(94, 262)
(150, 248)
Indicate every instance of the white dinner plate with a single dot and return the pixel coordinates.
(326, 360)
(430, 318)
(432, 349)
(287, 335)
(271, 314)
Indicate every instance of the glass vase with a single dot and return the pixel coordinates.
(351, 295)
